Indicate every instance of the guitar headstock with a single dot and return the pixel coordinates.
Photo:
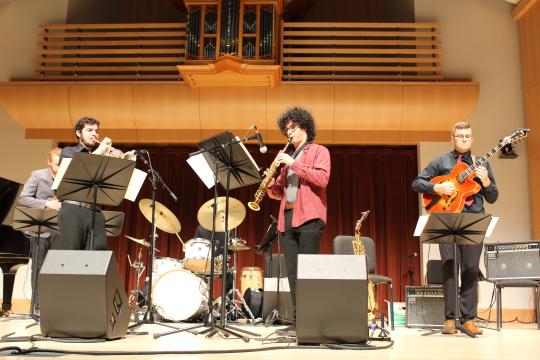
(516, 136)
(359, 222)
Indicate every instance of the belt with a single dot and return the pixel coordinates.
(81, 204)
(289, 206)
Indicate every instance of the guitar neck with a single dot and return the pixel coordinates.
(479, 162)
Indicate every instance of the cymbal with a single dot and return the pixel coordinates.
(165, 219)
(139, 241)
(237, 213)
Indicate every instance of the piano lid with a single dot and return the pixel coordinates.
(9, 193)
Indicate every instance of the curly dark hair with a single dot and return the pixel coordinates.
(300, 117)
(85, 120)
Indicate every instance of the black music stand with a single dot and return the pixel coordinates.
(455, 228)
(97, 180)
(233, 168)
(35, 220)
(114, 220)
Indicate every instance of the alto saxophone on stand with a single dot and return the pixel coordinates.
(359, 249)
(261, 191)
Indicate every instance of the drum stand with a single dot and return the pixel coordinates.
(135, 294)
(231, 301)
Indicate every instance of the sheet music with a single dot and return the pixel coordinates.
(60, 173)
(135, 184)
(420, 225)
(491, 227)
(202, 169)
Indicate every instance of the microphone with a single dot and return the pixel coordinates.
(262, 147)
(413, 255)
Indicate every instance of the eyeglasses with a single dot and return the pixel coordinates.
(291, 128)
(461, 136)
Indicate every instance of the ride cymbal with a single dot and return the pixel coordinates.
(165, 219)
(237, 213)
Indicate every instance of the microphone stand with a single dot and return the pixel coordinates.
(154, 178)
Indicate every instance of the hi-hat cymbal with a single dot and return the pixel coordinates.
(139, 241)
(165, 219)
(237, 213)
(237, 247)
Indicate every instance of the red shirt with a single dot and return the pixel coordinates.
(313, 170)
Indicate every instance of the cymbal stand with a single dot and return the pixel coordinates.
(134, 295)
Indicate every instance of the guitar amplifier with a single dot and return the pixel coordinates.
(424, 306)
(512, 261)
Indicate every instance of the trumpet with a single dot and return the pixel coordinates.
(259, 194)
(119, 154)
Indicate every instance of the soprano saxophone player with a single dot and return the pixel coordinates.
(301, 189)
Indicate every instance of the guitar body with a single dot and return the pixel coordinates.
(456, 202)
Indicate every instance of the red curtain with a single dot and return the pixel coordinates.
(374, 178)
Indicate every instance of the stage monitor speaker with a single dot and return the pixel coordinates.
(331, 299)
(424, 306)
(512, 261)
(82, 295)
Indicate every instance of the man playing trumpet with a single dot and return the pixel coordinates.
(75, 218)
(301, 188)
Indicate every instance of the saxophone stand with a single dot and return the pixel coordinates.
(456, 229)
(35, 220)
(233, 168)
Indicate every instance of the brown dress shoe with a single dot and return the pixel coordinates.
(449, 327)
(471, 327)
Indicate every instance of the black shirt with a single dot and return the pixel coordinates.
(70, 151)
(443, 165)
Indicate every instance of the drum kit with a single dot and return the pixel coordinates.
(180, 287)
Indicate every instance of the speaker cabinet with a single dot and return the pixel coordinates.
(512, 261)
(331, 299)
(82, 295)
(425, 306)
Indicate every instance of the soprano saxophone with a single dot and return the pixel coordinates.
(261, 191)
(358, 248)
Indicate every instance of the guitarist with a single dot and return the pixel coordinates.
(468, 255)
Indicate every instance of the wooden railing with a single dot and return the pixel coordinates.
(110, 51)
(308, 51)
(360, 51)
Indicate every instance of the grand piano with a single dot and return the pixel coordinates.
(14, 246)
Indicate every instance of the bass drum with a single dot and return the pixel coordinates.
(180, 295)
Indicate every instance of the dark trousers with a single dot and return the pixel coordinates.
(304, 239)
(75, 228)
(468, 265)
(37, 260)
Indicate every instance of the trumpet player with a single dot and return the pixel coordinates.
(75, 218)
(301, 188)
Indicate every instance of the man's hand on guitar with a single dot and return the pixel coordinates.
(482, 173)
(445, 188)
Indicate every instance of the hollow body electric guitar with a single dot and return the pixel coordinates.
(462, 176)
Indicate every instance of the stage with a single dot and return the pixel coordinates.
(515, 340)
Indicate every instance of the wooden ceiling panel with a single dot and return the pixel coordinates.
(166, 107)
(368, 107)
(111, 104)
(435, 107)
(38, 106)
(232, 107)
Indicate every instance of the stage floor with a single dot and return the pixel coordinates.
(514, 341)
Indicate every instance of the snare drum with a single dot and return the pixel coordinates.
(197, 257)
(180, 295)
(251, 277)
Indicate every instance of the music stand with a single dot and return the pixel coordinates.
(35, 220)
(114, 220)
(98, 180)
(455, 228)
(233, 167)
